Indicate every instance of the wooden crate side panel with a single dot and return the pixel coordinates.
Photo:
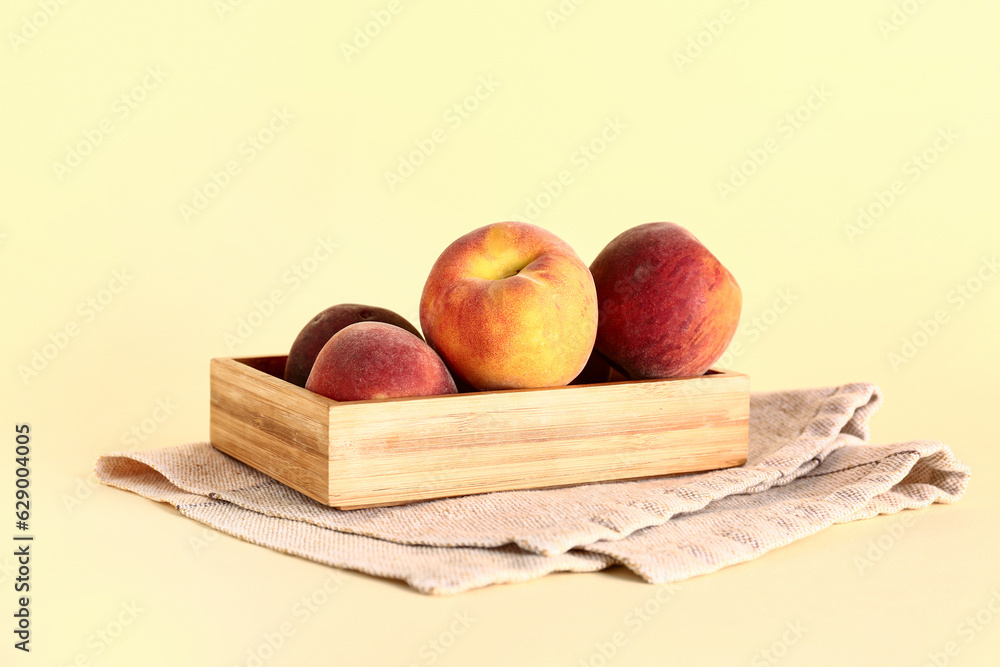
(407, 450)
(262, 422)
(527, 470)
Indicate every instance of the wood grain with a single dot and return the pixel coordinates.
(373, 453)
(271, 425)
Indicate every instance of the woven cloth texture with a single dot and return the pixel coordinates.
(810, 465)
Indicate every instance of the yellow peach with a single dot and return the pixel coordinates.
(510, 305)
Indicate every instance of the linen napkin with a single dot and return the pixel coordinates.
(810, 465)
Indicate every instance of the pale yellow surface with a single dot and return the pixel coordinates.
(820, 307)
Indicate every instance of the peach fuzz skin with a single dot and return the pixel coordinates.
(668, 308)
(323, 326)
(375, 360)
(509, 306)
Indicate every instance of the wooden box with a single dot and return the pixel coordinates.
(373, 453)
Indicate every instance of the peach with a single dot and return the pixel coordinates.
(668, 307)
(321, 328)
(510, 305)
(373, 360)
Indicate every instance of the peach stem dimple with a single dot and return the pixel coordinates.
(516, 268)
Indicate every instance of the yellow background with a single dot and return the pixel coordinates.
(225, 70)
